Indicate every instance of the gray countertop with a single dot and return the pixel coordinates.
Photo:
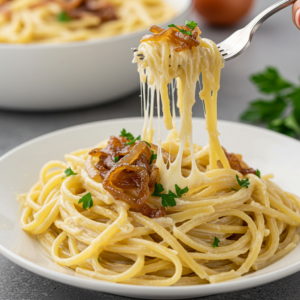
(277, 43)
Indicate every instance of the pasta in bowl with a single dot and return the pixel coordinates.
(71, 68)
(168, 213)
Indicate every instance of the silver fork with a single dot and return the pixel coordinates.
(240, 40)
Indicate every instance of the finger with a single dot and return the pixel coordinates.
(296, 13)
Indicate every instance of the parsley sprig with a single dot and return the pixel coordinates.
(87, 201)
(281, 111)
(63, 17)
(257, 173)
(134, 140)
(168, 199)
(216, 242)
(129, 136)
(153, 157)
(242, 183)
(191, 24)
(69, 172)
(116, 159)
(126, 134)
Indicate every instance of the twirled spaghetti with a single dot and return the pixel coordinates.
(226, 223)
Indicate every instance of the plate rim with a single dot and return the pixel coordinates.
(126, 289)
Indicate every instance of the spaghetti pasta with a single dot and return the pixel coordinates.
(57, 21)
(226, 223)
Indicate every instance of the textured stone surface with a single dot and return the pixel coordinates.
(276, 43)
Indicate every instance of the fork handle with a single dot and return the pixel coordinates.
(267, 13)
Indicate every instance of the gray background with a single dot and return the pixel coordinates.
(277, 43)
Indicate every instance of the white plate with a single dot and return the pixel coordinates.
(76, 74)
(19, 170)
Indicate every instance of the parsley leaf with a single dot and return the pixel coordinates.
(126, 134)
(69, 172)
(147, 144)
(281, 113)
(63, 17)
(288, 126)
(134, 140)
(216, 242)
(99, 260)
(181, 30)
(153, 157)
(87, 201)
(191, 24)
(264, 111)
(257, 173)
(168, 199)
(270, 81)
(180, 191)
(116, 159)
(158, 188)
(242, 183)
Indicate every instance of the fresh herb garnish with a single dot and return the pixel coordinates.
(281, 112)
(147, 144)
(153, 157)
(158, 189)
(69, 172)
(257, 173)
(63, 17)
(181, 30)
(131, 142)
(116, 159)
(126, 134)
(87, 201)
(180, 191)
(99, 260)
(168, 199)
(216, 242)
(191, 24)
(242, 183)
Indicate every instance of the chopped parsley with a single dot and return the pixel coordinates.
(134, 140)
(216, 242)
(69, 172)
(168, 199)
(181, 30)
(191, 24)
(87, 201)
(147, 144)
(99, 260)
(116, 159)
(280, 110)
(126, 134)
(242, 183)
(257, 173)
(153, 157)
(63, 17)
(180, 191)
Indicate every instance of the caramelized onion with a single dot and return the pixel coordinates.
(130, 177)
(140, 179)
(182, 40)
(236, 163)
(146, 210)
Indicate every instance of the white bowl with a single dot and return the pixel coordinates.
(19, 170)
(71, 75)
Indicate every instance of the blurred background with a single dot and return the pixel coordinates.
(276, 44)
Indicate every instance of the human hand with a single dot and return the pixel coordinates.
(296, 13)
